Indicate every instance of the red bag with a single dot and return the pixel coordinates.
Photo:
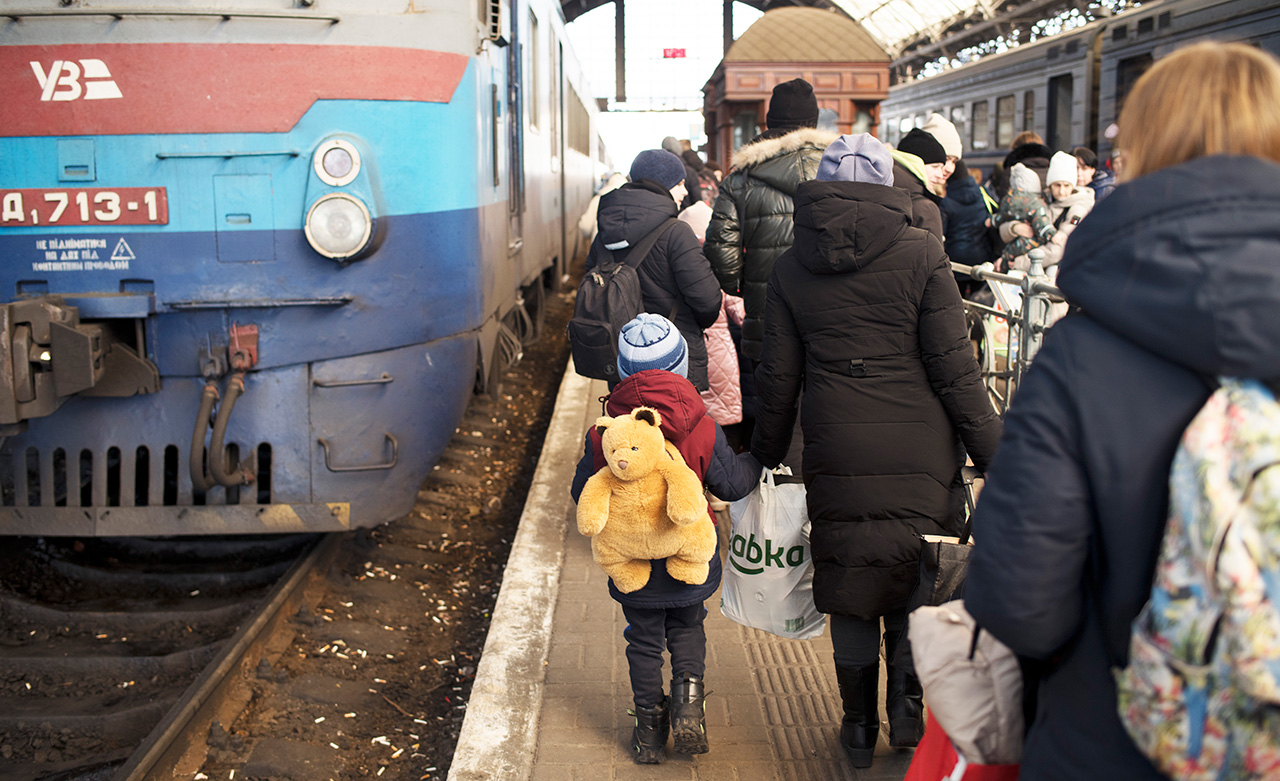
(936, 760)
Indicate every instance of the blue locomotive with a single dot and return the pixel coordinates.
(257, 259)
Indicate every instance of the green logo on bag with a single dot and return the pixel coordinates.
(748, 550)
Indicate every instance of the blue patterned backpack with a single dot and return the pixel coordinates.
(1201, 694)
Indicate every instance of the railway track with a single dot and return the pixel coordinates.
(115, 644)
(285, 657)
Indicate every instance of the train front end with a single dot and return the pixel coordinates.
(242, 283)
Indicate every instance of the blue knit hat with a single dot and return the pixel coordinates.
(651, 342)
(659, 165)
(859, 158)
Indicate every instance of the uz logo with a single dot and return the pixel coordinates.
(62, 82)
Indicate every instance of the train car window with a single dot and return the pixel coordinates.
(1029, 110)
(960, 120)
(1146, 25)
(578, 125)
(1127, 73)
(1165, 20)
(535, 72)
(1005, 131)
(904, 125)
(919, 121)
(981, 125)
(1061, 95)
(557, 75)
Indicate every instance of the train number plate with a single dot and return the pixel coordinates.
(84, 206)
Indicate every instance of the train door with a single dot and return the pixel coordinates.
(515, 138)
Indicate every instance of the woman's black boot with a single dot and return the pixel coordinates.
(903, 698)
(649, 739)
(689, 715)
(859, 690)
(904, 702)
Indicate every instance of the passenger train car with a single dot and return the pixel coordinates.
(259, 254)
(1069, 87)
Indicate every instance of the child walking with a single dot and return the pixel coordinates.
(666, 613)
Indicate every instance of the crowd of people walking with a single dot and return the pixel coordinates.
(803, 311)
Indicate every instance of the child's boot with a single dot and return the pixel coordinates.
(689, 715)
(649, 739)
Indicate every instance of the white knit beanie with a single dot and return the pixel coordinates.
(1062, 168)
(651, 342)
(941, 128)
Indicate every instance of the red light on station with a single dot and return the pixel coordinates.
(672, 54)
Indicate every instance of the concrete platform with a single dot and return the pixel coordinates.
(552, 691)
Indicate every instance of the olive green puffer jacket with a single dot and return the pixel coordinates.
(752, 222)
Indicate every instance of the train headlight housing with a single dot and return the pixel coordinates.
(338, 226)
(336, 162)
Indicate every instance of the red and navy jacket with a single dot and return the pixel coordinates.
(686, 424)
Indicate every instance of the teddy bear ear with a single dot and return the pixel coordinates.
(601, 429)
(648, 415)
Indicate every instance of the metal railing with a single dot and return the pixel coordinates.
(1028, 316)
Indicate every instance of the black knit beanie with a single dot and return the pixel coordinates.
(793, 105)
(923, 146)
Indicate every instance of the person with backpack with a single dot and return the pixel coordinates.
(674, 278)
(667, 614)
(1178, 284)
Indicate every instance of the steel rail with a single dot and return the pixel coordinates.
(194, 712)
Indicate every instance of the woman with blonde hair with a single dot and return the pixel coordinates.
(1177, 281)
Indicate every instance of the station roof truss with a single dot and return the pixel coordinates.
(917, 32)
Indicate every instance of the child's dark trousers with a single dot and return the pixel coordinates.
(679, 630)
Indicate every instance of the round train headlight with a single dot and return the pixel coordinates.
(336, 162)
(338, 226)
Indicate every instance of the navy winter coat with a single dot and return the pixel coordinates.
(675, 279)
(1178, 277)
(964, 217)
(686, 424)
(863, 313)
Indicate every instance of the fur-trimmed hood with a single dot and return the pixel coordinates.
(757, 152)
(784, 162)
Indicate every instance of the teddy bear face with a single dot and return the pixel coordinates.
(633, 443)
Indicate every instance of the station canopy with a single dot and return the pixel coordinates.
(916, 32)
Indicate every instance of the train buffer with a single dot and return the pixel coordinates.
(551, 693)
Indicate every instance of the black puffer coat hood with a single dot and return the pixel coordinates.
(751, 224)
(675, 279)
(1177, 277)
(844, 226)
(863, 313)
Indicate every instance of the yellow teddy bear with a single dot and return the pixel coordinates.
(646, 504)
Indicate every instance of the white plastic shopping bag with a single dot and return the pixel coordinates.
(768, 580)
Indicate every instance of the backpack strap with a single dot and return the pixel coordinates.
(642, 248)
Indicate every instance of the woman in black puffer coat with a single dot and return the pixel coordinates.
(863, 312)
